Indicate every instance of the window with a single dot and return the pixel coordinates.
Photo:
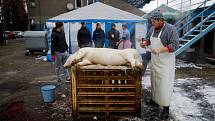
(78, 3)
(81, 3)
(90, 2)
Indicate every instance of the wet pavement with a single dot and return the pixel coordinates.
(22, 76)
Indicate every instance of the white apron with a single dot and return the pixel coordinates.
(163, 73)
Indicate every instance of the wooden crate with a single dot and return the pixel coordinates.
(106, 90)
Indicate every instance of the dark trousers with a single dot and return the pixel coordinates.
(146, 57)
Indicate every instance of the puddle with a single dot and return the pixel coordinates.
(16, 111)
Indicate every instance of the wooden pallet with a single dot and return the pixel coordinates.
(106, 90)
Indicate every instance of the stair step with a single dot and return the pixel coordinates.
(180, 45)
(205, 25)
(197, 30)
(212, 17)
(209, 21)
(190, 35)
(184, 40)
(206, 16)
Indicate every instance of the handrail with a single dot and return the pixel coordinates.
(189, 13)
(182, 3)
(194, 18)
(197, 37)
(199, 24)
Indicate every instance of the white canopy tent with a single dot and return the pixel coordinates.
(98, 12)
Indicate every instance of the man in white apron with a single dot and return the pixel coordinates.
(163, 40)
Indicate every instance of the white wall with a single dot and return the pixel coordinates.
(140, 32)
(74, 27)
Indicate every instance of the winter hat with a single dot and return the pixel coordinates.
(125, 25)
(157, 15)
(113, 25)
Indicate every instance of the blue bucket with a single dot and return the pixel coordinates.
(48, 93)
(49, 57)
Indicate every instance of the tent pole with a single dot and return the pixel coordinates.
(70, 47)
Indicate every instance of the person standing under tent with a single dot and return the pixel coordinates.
(84, 36)
(125, 40)
(98, 36)
(59, 50)
(114, 37)
(163, 40)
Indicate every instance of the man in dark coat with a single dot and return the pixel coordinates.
(98, 36)
(84, 36)
(114, 37)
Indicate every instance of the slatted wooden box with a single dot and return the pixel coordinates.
(106, 90)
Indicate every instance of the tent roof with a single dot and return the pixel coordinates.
(96, 11)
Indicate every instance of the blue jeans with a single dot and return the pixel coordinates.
(146, 57)
(60, 60)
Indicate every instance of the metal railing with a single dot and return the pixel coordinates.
(189, 14)
(191, 20)
(197, 37)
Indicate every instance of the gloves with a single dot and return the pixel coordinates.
(53, 57)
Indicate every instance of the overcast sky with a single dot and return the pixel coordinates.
(175, 4)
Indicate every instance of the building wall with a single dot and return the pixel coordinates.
(45, 9)
(121, 4)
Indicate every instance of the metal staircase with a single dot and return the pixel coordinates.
(205, 23)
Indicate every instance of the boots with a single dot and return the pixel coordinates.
(165, 113)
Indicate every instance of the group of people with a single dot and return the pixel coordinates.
(161, 42)
(85, 40)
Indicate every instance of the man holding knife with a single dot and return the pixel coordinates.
(163, 40)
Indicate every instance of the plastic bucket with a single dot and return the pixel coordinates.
(49, 57)
(48, 93)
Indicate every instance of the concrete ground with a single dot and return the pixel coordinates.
(22, 76)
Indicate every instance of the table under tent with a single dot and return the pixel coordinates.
(91, 14)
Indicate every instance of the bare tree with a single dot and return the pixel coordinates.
(14, 15)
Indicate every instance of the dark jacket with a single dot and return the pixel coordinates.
(58, 42)
(84, 37)
(114, 37)
(99, 38)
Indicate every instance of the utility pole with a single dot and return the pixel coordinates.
(157, 3)
(1, 5)
(1, 11)
(1, 30)
(2, 22)
(40, 14)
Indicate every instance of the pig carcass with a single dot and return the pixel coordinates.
(105, 56)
